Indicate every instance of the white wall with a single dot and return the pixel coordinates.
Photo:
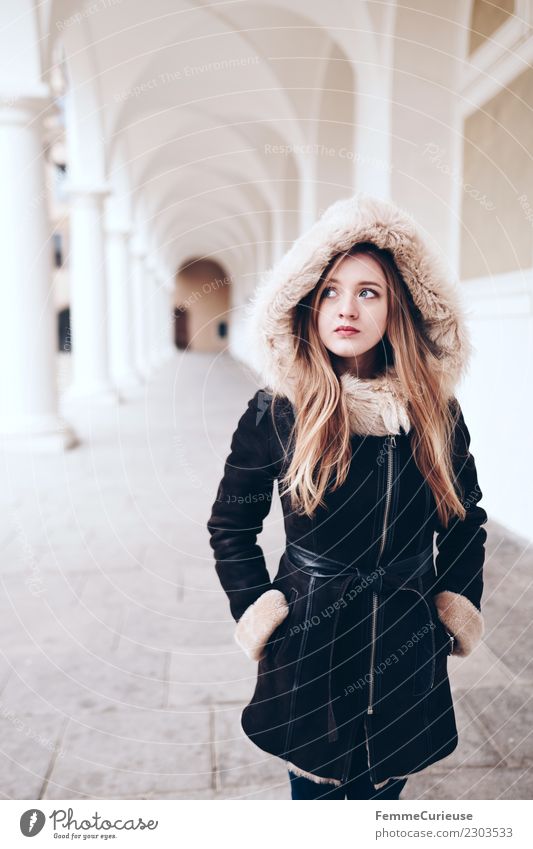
(497, 397)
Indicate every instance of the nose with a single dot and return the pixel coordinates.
(348, 307)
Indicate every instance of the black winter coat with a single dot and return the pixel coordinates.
(371, 595)
(352, 648)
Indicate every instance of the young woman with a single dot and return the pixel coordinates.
(359, 339)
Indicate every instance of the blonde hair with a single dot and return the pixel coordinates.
(321, 431)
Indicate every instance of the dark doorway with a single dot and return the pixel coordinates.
(63, 330)
(181, 328)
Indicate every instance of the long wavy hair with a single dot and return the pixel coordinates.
(321, 436)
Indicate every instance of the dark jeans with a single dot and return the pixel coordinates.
(304, 788)
(358, 785)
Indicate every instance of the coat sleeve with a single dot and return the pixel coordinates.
(461, 551)
(242, 502)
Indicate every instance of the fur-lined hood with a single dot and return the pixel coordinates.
(376, 406)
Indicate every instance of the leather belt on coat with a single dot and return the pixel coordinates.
(386, 577)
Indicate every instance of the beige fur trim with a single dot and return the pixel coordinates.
(318, 779)
(259, 621)
(376, 406)
(362, 217)
(392, 778)
(462, 619)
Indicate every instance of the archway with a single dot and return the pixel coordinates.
(202, 305)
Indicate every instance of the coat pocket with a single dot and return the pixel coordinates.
(279, 637)
(444, 639)
(425, 650)
(408, 647)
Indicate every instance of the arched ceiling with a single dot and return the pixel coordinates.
(211, 104)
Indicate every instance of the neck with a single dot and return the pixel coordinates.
(366, 366)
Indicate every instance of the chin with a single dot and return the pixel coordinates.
(347, 349)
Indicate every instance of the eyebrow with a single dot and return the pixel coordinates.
(361, 282)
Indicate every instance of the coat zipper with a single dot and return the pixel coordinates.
(392, 444)
(370, 710)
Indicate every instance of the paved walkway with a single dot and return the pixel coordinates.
(119, 677)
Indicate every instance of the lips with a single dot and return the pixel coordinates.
(346, 330)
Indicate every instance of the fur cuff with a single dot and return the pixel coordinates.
(392, 778)
(462, 619)
(318, 779)
(259, 621)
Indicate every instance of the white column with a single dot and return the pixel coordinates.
(162, 317)
(28, 335)
(277, 246)
(88, 310)
(151, 310)
(166, 333)
(372, 133)
(307, 193)
(138, 281)
(121, 329)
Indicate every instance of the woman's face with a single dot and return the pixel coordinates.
(354, 295)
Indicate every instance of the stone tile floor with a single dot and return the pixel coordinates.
(119, 677)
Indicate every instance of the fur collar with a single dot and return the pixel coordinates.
(377, 406)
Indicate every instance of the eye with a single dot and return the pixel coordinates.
(328, 289)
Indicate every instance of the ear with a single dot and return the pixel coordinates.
(259, 621)
(462, 619)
